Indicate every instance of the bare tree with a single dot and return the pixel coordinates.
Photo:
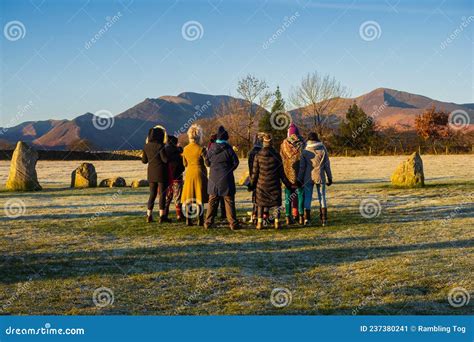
(318, 95)
(232, 115)
(257, 96)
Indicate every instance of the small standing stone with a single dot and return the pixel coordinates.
(116, 182)
(140, 183)
(409, 173)
(84, 176)
(22, 174)
(244, 179)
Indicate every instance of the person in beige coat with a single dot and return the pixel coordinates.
(314, 168)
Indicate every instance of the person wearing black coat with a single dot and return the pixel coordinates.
(154, 155)
(222, 161)
(257, 146)
(212, 140)
(175, 175)
(267, 175)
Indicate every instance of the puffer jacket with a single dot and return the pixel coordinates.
(251, 157)
(267, 175)
(314, 164)
(291, 150)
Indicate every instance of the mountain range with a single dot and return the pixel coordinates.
(127, 130)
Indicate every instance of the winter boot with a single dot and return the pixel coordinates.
(324, 216)
(201, 220)
(277, 224)
(179, 214)
(149, 218)
(189, 221)
(165, 219)
(301, 221)
(289, 220)
(235, 226)
(307, 217)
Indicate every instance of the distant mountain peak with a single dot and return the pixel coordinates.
(393, 108)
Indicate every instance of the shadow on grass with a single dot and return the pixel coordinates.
(429, 184)
(264, 257)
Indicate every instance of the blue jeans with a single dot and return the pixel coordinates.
(308, 195)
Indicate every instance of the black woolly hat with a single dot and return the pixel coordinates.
(222, 133)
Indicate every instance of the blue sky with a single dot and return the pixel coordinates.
(51, 73)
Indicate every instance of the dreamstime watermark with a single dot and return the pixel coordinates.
(370, 119)
(103, 119)
(373, 294)
(370, 208)
(102, 209)
(46, 330)
(103, 296)
(14, 30)
(109, 22)
(457, 31)
(370, 30)
(280, 120)
(459, 119)
(191, 208)
(21, 289)
(198, 290)
(192, 30)
(276, 213)
(200, 110)
(21, 111)
(287, 22)
(281, 297)
(458, 297)
(14, 208)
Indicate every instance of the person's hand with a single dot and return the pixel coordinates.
(329, 182)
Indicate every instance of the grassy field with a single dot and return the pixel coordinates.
(73, 251)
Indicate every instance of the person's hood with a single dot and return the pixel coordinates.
(268, 150)
(158, 134)
(217, 148)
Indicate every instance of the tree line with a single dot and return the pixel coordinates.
(317, 97)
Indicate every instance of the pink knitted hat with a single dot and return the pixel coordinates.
(292, 129)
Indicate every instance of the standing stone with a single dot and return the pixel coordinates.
(244, 180)
(409, 173)
(84, 176)
(140, 183)
(114, 182)
(22, 174)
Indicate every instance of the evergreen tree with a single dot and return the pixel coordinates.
(357, 131)
(278, 130)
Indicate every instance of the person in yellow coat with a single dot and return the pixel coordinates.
(195, 177)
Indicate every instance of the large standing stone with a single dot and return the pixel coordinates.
(114, 182)
(22, 174)
(84, 176)
(409, 173)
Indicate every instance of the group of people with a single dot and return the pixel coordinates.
(300, 165)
